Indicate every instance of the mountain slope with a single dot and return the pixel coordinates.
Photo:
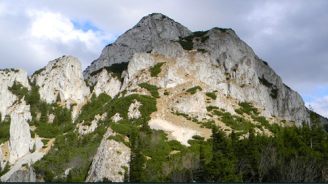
(161, 103)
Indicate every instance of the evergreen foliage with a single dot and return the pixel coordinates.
(151, 88)
(193, 90)
(156, 69)
(4, 129)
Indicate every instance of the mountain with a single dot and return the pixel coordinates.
(161, 103)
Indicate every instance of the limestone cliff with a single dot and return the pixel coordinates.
(111, 161)
(62, 80)
(7, 79)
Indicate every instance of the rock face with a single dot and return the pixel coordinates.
(110, 160)
(7, 79)
(105, 82)
(20, 136)
(62, 80)
(221, 62)
(1, 160)
(193, 105)
(151, 31)
(133, 111)
(23, 175)
(21, 170)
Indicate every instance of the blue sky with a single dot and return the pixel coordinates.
(291, 35)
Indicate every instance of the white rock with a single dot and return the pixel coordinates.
(133, 111)
(1, 160)
(62, 77)
(106, 83)
(192, 104)
(117, 117)
(86, 129)
(20, 136)
(51, 118)
(181, 134)
(7, 79)
(38, 143)
(109, 161)
(28, 159)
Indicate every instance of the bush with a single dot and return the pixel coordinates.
(116, 69)
(248, 108)
(19, 90)
(211, 95)
(155, 70)
(70, 151)
(193, 90)
(93, 107)
(151, 88)
(4, 130)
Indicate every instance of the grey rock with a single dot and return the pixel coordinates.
(23, 175)
(150, 32)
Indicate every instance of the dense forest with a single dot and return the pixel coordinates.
(293, 154)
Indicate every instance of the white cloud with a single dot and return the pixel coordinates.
(54, 27)
(320, 105)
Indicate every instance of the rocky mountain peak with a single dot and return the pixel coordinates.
(151, 31)
(155, 27)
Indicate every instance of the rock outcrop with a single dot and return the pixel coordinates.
(20, 136)
(151, 31)
(62, 80)
(1, 160)
(133, 111)
(105, 82)
(111, 161)
(7, 79)
(23, 175)
(21, 171)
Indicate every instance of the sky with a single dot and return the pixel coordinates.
(291, 35)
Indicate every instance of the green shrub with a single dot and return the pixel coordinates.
(151, 88)
(70, 151)
(211, 95)
(248, 108)
(187, 42)
(116, 69)
(210, 108)
(155, 70)
(93, 107)
(193, 90)
(18, 89)
(4, 130)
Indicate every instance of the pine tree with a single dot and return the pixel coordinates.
(137, 159)
(222, 166)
